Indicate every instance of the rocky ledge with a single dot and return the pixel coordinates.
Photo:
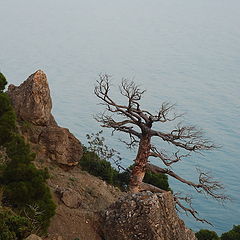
(143, 216)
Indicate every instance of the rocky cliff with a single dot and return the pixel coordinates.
(32, 103)
(87, 207)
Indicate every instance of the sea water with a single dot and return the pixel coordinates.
(185, 52)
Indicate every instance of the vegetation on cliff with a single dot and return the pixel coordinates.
(23, 186)
(205, 234)
(13, 226)
(96, 158)
(25, 200)
(233, 234)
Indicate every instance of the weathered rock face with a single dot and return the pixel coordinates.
(31, 100)
(32, 103)
(144, 216)
(61, 146)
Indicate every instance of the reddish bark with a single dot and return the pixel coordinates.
(139, 169)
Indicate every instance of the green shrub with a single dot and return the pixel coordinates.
(91, 163)
(7, 119)
(95, 162)
(5, 104)
(19, 151)
(205, 234)
(13, 226)
(156, 179)
(3, 82)
(121, 179)
(24, 185)
(233, 234)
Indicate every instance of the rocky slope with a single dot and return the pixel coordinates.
(79, 196)
(87, 207)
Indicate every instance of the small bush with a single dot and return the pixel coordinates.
(24, 186)
(233, 234)
(95, 162)
(13, 226)
(91, 163)
(157, 179)
(3, 82)
(122, 179)
(205, 234)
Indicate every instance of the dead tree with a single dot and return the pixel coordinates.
(137, 123)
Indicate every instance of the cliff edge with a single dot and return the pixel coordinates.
(87, 207)
(143, 216)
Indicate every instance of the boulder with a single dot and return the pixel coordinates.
(71, 198)
(33, 237)
(144, 216)
(33, 104)
(60, 145)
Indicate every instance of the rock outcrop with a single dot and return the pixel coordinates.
(81, 197)
(32, 103)
(144, 216)
(32, 100)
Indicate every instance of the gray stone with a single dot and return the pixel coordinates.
(71, 198)
(144, 216)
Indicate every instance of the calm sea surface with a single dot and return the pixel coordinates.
(186, 52)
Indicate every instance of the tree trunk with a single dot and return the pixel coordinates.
(139, 169)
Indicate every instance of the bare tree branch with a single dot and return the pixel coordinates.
(206, 183)
(109, 122)
(102, 92)
(186, 137)
(168, 161)
(138, 123)
(177, 199)
(189, 209)
(132, 143)
(166, 113)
